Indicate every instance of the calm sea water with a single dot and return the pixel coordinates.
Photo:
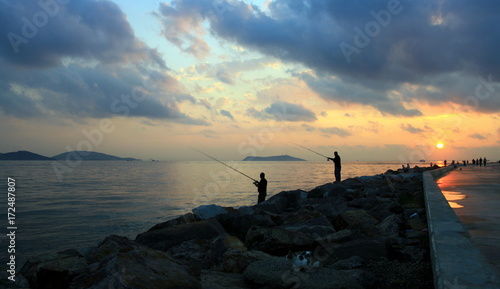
(99, 198)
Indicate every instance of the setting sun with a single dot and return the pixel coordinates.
(440, 145)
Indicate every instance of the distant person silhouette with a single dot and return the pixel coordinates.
(445, 163)
(261, 188)
(480, 161)
(484, 161)
(338, 166)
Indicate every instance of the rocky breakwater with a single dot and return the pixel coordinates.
(365, 232)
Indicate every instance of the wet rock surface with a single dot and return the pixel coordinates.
(365, 232)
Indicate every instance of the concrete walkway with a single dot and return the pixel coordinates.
(457, 260)
(474, 193)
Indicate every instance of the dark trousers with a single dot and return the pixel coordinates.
(262, 197)
(337, 174)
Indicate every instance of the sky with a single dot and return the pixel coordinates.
(378, 80)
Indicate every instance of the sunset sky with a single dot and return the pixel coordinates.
(375, 80)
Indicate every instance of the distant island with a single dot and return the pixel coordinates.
(92, 156)
(84, 155)
(24, 156)
(282, 158)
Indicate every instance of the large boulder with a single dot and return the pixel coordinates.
(195, 254)
(53, 270)
(186, 218)
(234, 261)
(237, 224)
(133, 266)
(278, 273)
(391, 226)
(308, 221)
(281, 202)
(218, 280)
(166, 238)
(366, 248)
(206, 212)
(277, 241)
(357, 220)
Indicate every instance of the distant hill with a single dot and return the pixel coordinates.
(282, 158)
(92, 156)
(23, 156)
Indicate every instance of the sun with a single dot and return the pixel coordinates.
(440, 145)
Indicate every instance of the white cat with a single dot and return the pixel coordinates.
(302, 261)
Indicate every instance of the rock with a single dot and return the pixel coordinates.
(315, 194)
(416, 224)
(308, 221)
(329, 207)
(367, 248)
(19, 283)
(218, 280)
(277, 273)
(237, 261)
(166, 238)
(280, 202)
(206, 212)
(353, 262)
(314, 228)
(133, 266)
(237, 224)
(109, 246)
(224, 243)
(305, 213)
(276, 240)
(186, 218)
(391, 226)
(53, 270)
(336, 190)
(195, 254)
(357, 220)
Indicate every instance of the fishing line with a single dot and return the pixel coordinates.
(207, 155)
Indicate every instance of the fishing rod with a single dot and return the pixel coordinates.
(327, 158)
(224, 164)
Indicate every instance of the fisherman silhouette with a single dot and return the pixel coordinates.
(337, 165)
(261, 188)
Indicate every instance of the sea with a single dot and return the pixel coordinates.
(77, 207)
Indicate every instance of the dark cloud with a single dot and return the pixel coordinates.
(44, 33)
(79, 60)
(283, 111)
(431, 43)
(410, 128)
(226, 114)
(102, 91)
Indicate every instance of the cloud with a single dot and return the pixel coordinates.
(225, 77)
(284, 111)
(477, 136)
(44, 33)
(79, 92)
(335, 131)
(208, 133)
(440, 43)
(411, 129)
(82, 60)
(226, 114)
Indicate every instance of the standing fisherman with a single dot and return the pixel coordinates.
(261, 188)
(337, 165)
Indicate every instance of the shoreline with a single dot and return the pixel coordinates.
(362, 229)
